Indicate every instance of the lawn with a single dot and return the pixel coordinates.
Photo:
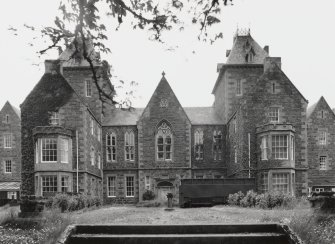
(312, 230)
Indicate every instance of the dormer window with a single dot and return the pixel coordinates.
(54, 118)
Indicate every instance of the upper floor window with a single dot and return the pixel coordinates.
(7, 119)
(217, 145)
(7, 140)
(99, 133)
(199, 145)
(64, 150)
(88, 88)
(129, 146)
(91, 126)
(264, 148)
(164, 142)
(111, 147)
(54, 118)
(323, 162)
(92, 156)
(273, 88)
(323, 114)
(280, 146)
(274, 115)
(49, 150)
(249, 57)
(239, 87)
(8, 166)
(322, 137)
(99, 161)
(292, 148)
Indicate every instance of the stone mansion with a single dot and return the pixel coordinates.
(258, 126)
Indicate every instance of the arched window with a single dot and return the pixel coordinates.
(111, 147)
(199, 144)
(164, 142)
(129, 146)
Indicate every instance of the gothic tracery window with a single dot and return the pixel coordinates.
(217, 145)
(199, 145)
(129, 140)
(164, 142)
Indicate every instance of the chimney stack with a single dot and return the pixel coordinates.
(52, 66)
(266, 49)
(271, 62)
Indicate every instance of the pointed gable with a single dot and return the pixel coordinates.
(164, 103)
(246, 50)
(317, 108)
(10, 109)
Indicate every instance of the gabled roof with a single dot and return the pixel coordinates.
(203, 116)
(312, 108)
(244, 44)
(16, 110)
(9, 186)
(119, 117)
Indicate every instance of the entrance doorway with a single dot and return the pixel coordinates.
(163, 188)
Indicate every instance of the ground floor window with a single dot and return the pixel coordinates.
(319, 189)
(280, 182)
(12, 195)
(111, 186)
(8, 166)
(130, 187)
(65, 183)
(49, 184)
(147, 182)
(264, 184)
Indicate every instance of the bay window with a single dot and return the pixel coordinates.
(49, 184)
(53, 150)
(280, 182)
(264, 148)
(49, 150)
(280, 146)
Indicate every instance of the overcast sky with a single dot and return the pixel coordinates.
(301, 32)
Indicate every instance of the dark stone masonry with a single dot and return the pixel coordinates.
(259, 126)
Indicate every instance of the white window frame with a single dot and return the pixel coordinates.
(44, 140)
(111, 147)
(12, 195)
(99, 161)
(199, 145)
(65, 183)
(49, 184)
(130, 186)
(92, 156)
(54, 118)
(323, 162)
(111, 188)
(7, 140)
(129, 146)
(278, 147)
(88, 88)
(8, 166)
(274, 113)
(264, 147)
(64, 150)
(292, 147)
(99, 133)
(281, 182)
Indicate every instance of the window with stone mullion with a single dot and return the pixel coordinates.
(111, 147)
(217, 147)
(164, 143)
(199, 145)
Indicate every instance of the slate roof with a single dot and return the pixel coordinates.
(311, 109)
(203, 116)
(197, 115)
(9, 186)
(243, 44)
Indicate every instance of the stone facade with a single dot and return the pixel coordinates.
(10, 151)
(321, 144)
(257, 127)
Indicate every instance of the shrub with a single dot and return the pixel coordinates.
(235, 199)
(148, 195)
(249, 200)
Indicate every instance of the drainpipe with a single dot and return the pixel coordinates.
(77, 148)
(249, 152)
